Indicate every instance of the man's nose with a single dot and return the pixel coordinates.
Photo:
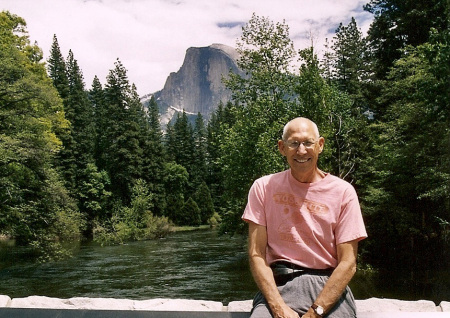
(301, 148)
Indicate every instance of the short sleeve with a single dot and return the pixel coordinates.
(254, 210)
(350, 226)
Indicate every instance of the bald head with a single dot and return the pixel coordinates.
(295, 123)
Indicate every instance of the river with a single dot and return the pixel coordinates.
(192, 265)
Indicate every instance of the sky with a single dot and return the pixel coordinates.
(150, 37)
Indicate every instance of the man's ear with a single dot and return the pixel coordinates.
(281, 147)
(321, 144)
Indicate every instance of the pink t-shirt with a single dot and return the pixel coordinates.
(305, 221)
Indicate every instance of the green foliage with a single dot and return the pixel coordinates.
(414, 184)
(58, 70)
(65, 157)
(35, 207)
(135, 222)
(202, 198)
(215, 220)
(190, 214)
(398, 23)
(176, 181)
(125, 133)
(93, 193)
(219, 124)
(348, 64)
(180, 143)
(199, 170)
(153, 158)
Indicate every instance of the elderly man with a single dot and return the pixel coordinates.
(304, 228)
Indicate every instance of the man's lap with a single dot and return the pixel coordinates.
(300, 293)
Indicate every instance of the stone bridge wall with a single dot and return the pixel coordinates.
(372, 305)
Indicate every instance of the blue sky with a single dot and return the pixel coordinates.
(151, 37)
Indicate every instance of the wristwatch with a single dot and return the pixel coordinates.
(318, 309)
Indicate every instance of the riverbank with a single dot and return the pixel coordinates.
(190, 228)
(375, 305)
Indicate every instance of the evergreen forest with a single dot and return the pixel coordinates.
(92, 162)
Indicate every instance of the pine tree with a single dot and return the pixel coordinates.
(199, 170)
(154, 159)
(181, 144)
(350, 61)
(202, 198)
(327, 62)
(57, 69)
(97, 98)
(123, 151)
(176, 180)
(214, 178)
(91, 200)
(190, 214)
(153, 118)
(82, 119)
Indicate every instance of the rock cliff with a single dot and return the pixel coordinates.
(197, 86)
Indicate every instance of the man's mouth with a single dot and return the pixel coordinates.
(302, 160)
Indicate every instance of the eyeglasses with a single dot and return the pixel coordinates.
(294, 144)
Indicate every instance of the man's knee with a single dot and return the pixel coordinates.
(260, 311)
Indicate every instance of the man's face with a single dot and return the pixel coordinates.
(302, 146)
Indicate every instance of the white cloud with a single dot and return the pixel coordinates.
(150, 37)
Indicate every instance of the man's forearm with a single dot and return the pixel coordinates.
(263, 277)
(336, 285)
(262, 273)
(340, 278)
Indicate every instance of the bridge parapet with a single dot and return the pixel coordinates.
(41, 306)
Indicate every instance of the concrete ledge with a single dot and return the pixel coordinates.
(79, 313)
(444, 306)
(368, 308)
(5, 301)
(243, 305)
(6, 312)
(395, 305)
(370, 305)
(116, 304)
(404, 315)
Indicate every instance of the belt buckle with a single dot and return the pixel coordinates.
(282, 271)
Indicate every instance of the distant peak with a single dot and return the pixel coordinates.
(220, 46)
(227, 49)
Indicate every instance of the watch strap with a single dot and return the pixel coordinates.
(317, 309)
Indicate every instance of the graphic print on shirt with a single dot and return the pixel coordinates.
(292, 227)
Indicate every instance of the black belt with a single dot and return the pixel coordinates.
(284, 271)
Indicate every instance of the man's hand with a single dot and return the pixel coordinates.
(310, 314)
(284, 312)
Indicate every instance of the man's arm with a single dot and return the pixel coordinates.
(340, 278)
(262, 273)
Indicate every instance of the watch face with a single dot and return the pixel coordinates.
(319, 310)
